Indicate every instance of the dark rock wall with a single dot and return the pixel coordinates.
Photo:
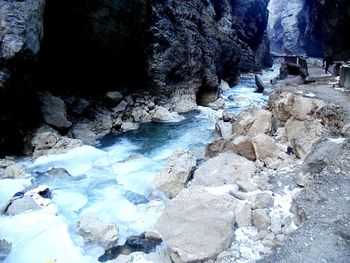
(325, 28)
(91, 46)
(21, 30)
(315, 27)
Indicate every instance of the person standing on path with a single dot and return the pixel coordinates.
(327, 61)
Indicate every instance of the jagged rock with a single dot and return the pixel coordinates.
(265, 148)
(285, 105)
(138, 257)
(218, 104)
(11, 169)
(161, 114)
(243, 145)
(176, 172)
(226, 168)
(114, 97)
(197, 225)
(252, 122)
(215, 147)
(121, 107)
(224, 129)
(80, 106)
(50, 142)
(224, 86)
(94, 230)
(261, 201)
(129, 126)
(303, 135)
(84, 131)
(260, 219)
(244, 216)
(322, 155)
(21, 205)
(183, 101)
(54, 111)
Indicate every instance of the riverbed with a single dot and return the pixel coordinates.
(112, 182)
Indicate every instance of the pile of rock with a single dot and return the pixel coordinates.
(71, 121)
(231, 187)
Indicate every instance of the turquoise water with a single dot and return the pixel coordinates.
(112, 182)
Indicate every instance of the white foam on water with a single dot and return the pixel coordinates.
(77, 161)
(40, 236)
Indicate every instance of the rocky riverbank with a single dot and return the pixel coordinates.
(271, 177)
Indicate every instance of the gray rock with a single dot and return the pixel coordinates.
(260, 219)
(196, 225)
(262, 200)
(226, 168)
(54, 111)
(80, 106)
(175, 174)
(114, 97)
(121, 107)
(244, 216)
(96, 231)
(21, 205)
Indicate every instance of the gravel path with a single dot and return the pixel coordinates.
(325, 235)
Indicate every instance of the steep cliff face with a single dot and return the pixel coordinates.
(178, 48)
(283, 27)
(314, 27)
(21, 30)
(324, 27)
(196, 43)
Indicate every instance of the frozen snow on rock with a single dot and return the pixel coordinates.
(39, 237)
(8, 187)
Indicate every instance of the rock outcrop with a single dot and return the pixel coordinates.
(175, 174)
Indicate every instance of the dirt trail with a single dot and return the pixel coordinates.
(325, 235)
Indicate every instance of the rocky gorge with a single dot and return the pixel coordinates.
(153, 156)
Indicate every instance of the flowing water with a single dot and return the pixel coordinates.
(113, 183)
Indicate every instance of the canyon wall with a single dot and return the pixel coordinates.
(177, 48)
(314, 27)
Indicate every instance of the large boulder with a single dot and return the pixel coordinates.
(176, 172)
(226, 168)
(161, 114)
(266, 149)
(242, 145)
(224, 129)
(54, 112)
(11, 169)
(285, 105)
(48, 141)
(252, 122)
(94, 230)
(183, 101)
(196, 225)
(303, 135)
(20, 205)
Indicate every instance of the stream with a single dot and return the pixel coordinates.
(112, 182)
